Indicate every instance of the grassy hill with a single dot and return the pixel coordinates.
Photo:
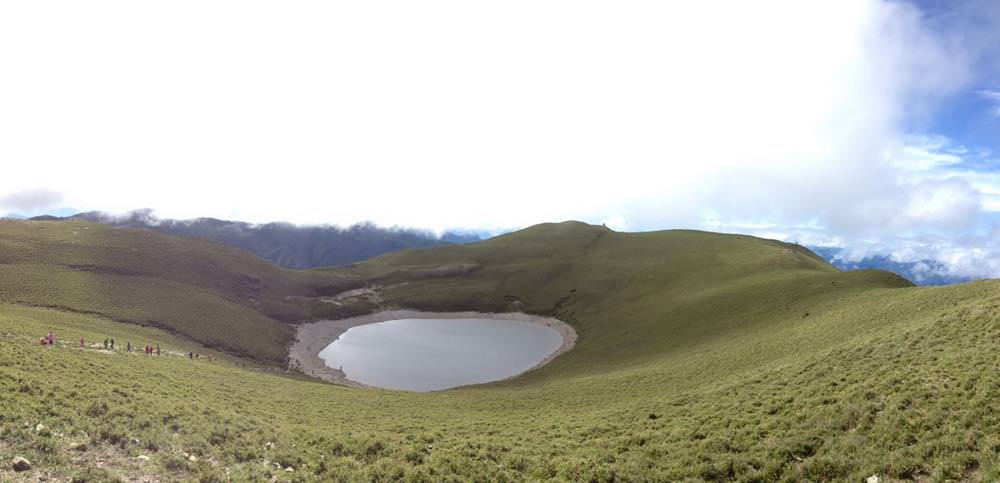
(700, 357)
(199, 289)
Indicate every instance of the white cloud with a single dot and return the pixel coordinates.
(994, 97)
(945, 212)
(787, 114)
(971, 257)
(31, 200)
(922, 154)
(950, 203)
(462, 113)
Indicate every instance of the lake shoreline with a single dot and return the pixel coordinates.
(311, 338)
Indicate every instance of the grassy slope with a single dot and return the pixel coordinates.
(631, 296)
(215, 295)
(700, 357)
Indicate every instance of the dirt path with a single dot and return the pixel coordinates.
(313, 337)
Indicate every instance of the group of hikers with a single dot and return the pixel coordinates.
(109, 344)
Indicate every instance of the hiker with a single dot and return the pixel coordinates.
(52, 338)
(112, 343)
(190, 355)
(105, 343)
(81, 341)
(157, 349)
(128, 347)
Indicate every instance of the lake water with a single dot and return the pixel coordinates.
(434, 354)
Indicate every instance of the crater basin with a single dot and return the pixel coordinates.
(427, 353)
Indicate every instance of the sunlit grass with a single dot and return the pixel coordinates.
(699, 357)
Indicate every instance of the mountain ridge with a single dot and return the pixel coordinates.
(285, 244)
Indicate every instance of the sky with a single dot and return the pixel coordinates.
(870, 125)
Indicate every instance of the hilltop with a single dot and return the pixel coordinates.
(699, 356)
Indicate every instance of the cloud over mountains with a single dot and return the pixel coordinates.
(788, 115)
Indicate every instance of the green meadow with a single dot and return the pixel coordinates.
(700, 356)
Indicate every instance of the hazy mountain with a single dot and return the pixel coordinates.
(289, 245)
(921, 272)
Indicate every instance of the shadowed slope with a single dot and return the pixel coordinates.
(210, 293)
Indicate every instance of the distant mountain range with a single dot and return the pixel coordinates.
(302, 247)
(285, 244)
(920, 272)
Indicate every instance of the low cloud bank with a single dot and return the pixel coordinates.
(31, 201)
(289, 245)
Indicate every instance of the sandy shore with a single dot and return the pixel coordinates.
(313, 337)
